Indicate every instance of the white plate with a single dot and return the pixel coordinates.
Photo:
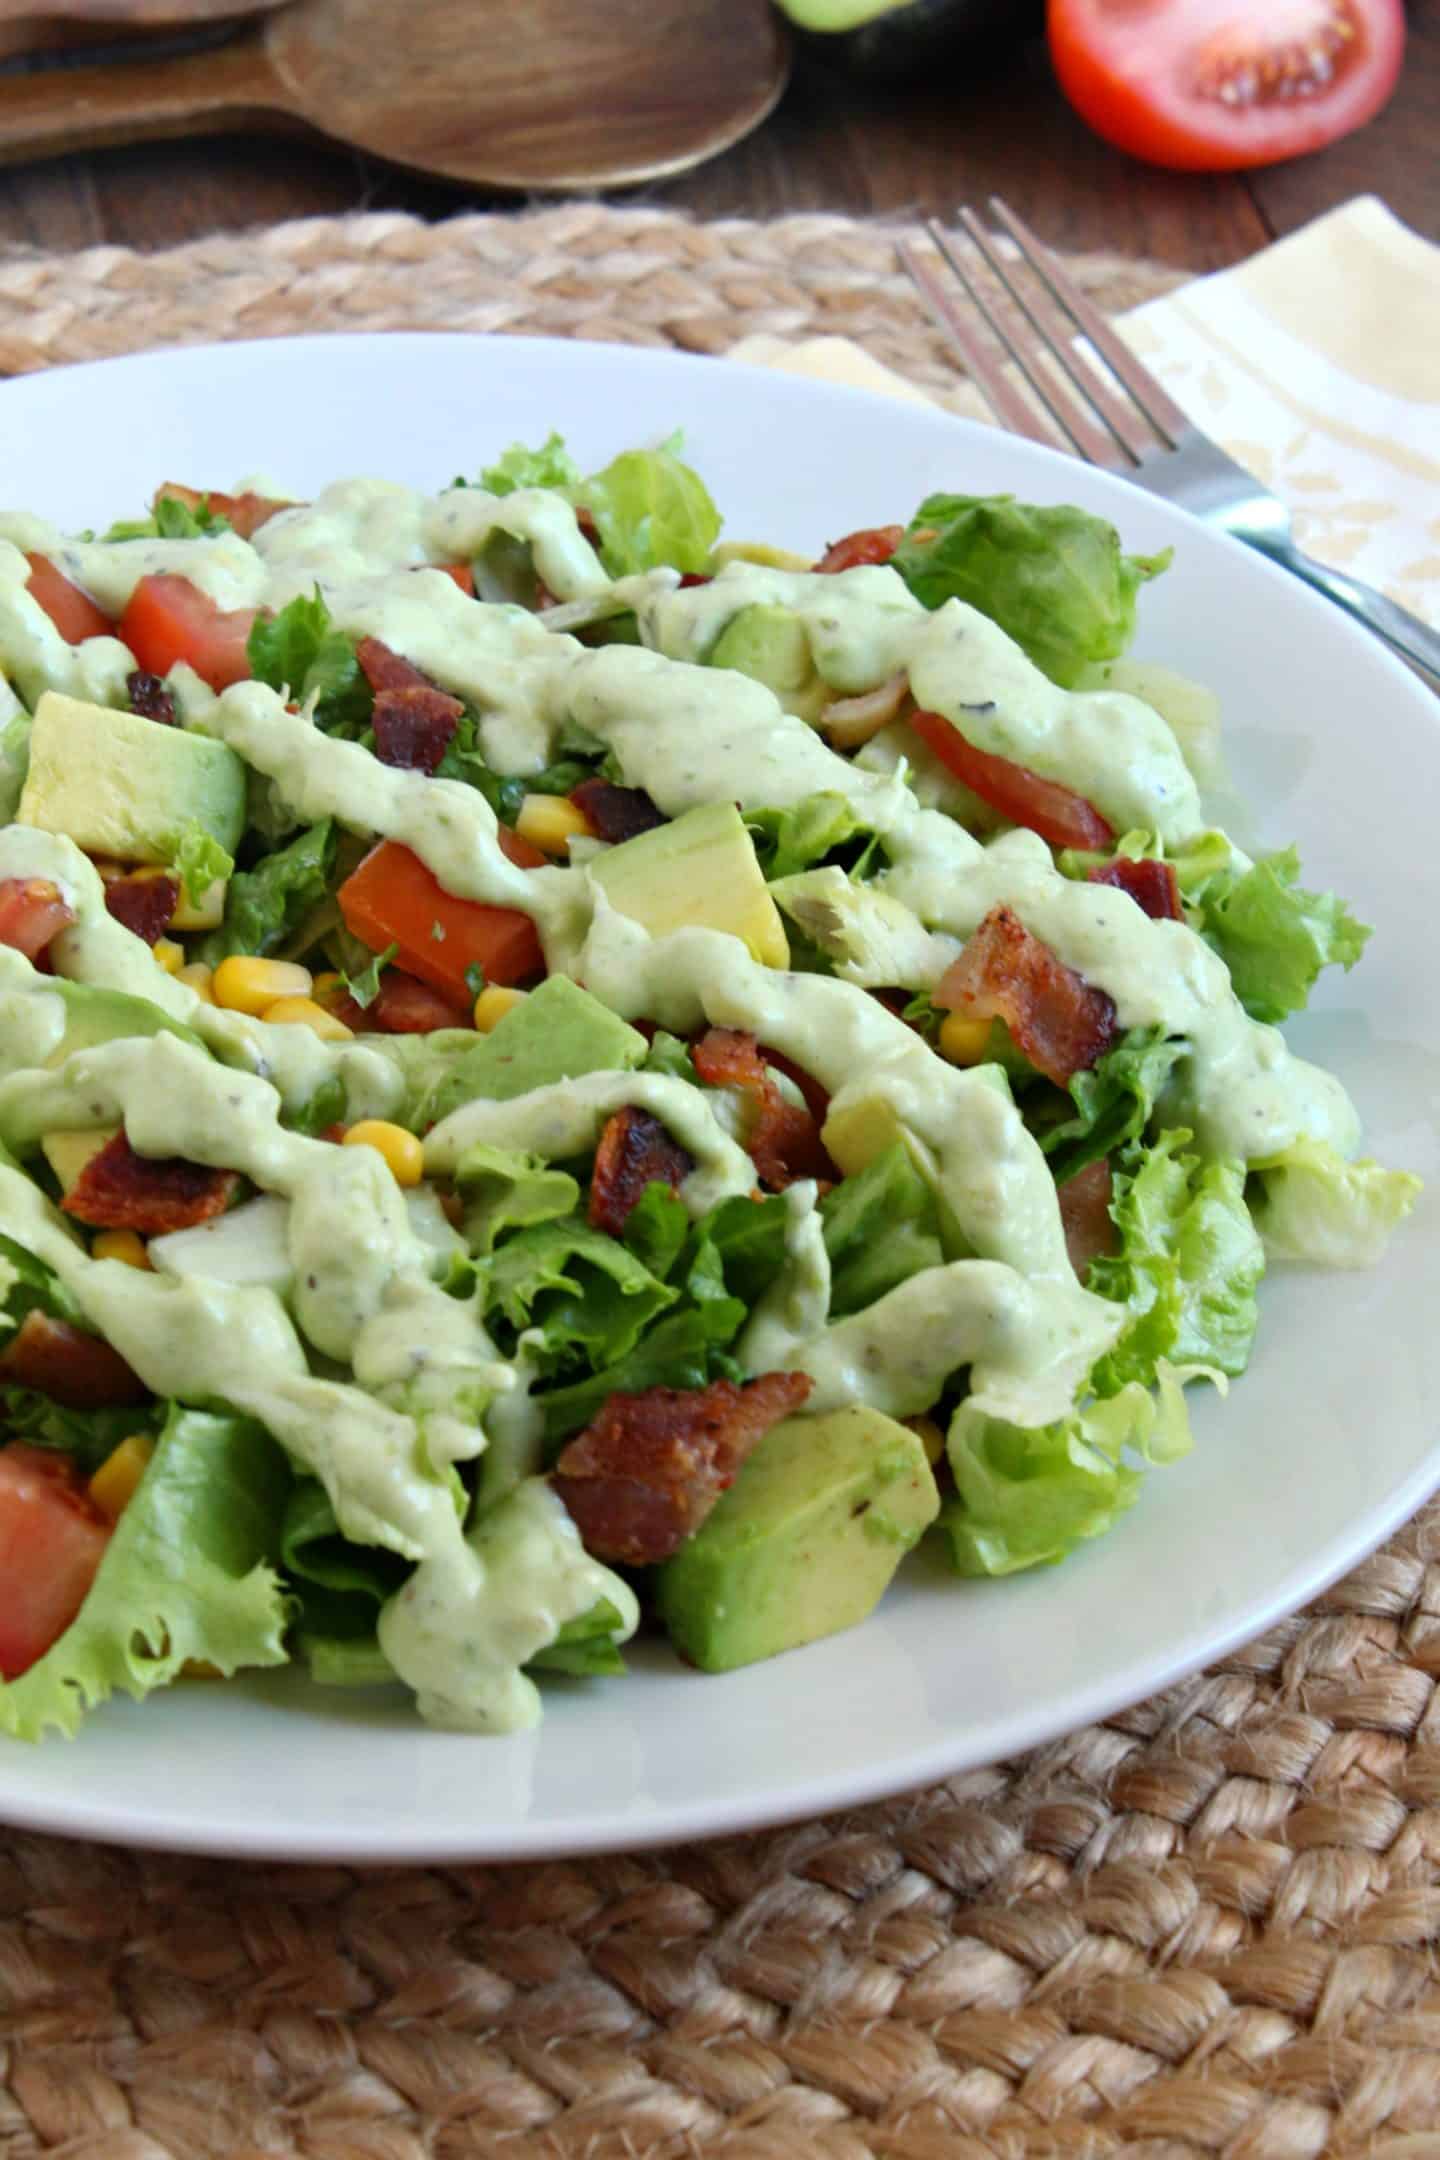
(1326, 1445)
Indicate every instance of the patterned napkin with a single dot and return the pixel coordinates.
(1316, 364)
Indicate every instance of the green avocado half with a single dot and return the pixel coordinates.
(896, 38)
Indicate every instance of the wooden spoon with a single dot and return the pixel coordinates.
(51, 25)
(532, 94)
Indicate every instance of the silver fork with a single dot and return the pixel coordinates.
(1121, 418)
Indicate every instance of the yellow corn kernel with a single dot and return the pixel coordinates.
(124, 1245)
(401, 1149)
(169, 954)
(304, 1012)
(963, 1040)
(928, 1433)
(199, 978)
(328, 982)
(550, 822)
(494, 1001)
(241, 984)
(113, 1486)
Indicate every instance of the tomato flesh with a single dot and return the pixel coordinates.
(169, 620)
(1057, 813)
(244, 514)
(393, 899)
(73, 612)
(52, 1540)
(1219, 85)
(32, 911)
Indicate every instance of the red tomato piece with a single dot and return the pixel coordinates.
(873, 544)
(168, 620)
(244, 514)
(1214, 85)
(407, 1006)
(52, 1539)
(1057, 813)
(73, 612)
(463, 575)
(393, 899)
(32, 911)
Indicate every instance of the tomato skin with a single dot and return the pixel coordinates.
(32, 911)
(872, 544)
(1057, 813)
(392, 899)
(52, 1540)
(73, 612)
(168, 620)
(1132, 68)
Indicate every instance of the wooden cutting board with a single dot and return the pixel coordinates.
(545, 95)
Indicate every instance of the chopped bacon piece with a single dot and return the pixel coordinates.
(1057, 813)
(387, 670)
(403, 1005)
(413, 727)
(616, 813)
(32, 911)
(1153, 886)
(694, 577)
(1085, 1213)
(149, 697)
(143, 903)
(120, 1190)
(635, 1151)
(244, 514)
(784, 1142)
(80, 1371)
(585, 519)
(873, 544)
(644, 1474)
(1006, 973)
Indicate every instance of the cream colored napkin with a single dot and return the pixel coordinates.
(1317, 365)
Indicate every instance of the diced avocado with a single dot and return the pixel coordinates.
(247, 1246)
(699, 870)
(556, 1033)
(68, 1152)
(119, 785)
(770, 645)
(804, 1543)
(95, 1015)
(856, 1133)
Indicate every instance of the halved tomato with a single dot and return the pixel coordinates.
(168, 620)
(1218, 85)
(73, 612)
(52, 1540)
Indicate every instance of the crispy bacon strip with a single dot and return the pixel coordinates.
(120, 1190)
(149, 697)
(32, 911)
(616, 813)
(386, 670)
(784, 1142)
(413, 727)
(144, 904)
(873, 544)
(245, 513)
(1152, 885)
(403, 1005)
(72, 1368)
(644, 1474)
(635, 1151)
(1085, 1213)
(1005, 973)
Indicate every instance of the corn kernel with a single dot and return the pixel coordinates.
(550, 822)
(928, 1433)
(304, 1012)
(963, 1040)
(401, 1150)
(124, 1245)
(169, 954)
(206, 913)
(114, 1484)
(328, 982)
(241, 984)
(494, 1001)
(199, 978)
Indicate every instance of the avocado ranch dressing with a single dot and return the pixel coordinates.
(478, 1605)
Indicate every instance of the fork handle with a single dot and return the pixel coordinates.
(1403, 632)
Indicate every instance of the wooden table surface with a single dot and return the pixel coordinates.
(832, 145)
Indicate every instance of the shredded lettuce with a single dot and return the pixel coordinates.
(1272, 934)
(187, 1577)
(1310, 1204)
(551, 466)
(27, 1285)
(649, 507)
(264, 905)
(1053, 576)
(1114, 1101)
(787, 841)
(199, 861)
(881, 1227)
(299, 652)
(505, 1190)
(587, 1295)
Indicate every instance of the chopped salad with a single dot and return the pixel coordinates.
(560, 1074)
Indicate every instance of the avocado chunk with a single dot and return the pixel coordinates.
(805, 1542)
(96, 1015)
(120, 785)
(699, 871)
(556, 1033)
(770, 644)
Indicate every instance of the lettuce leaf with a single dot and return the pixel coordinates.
(265, 904)
(297, 651)
(551, 466)
(199, 861)
(87, 1436)
(881, 1227)
(684, 1350)
(187, 1576)
(1025, 1497)
(28, 1285)
(1189, 1264)
(1054, 577)
(1310, 1204)
(1114, 1101)
(587, 1294)
(651, 509)
(787, 841)
(504, 1189)
(1273, 935)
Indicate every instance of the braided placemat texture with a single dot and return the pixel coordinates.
(1205, 1927)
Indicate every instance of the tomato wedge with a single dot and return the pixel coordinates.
(169, 620)
(1057, 813)
(73, 612)
(1216, 85)
(52, 1540)
(392, 899)
(32, 912)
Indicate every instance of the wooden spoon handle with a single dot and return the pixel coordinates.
(92, 108)
(43, 26)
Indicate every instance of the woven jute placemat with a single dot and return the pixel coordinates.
(1205, 1927)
